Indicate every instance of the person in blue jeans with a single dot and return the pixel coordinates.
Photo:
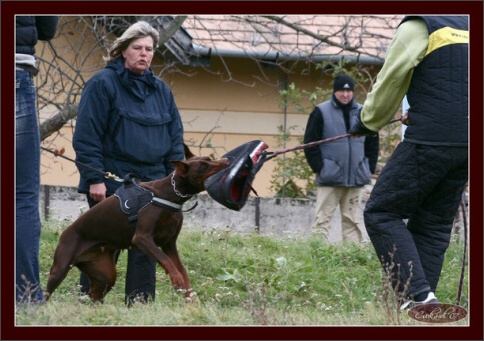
(29, 29)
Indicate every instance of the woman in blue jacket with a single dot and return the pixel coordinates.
(128, 122)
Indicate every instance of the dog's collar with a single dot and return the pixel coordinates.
(175, 190)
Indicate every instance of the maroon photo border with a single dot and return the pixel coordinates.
(8, 329)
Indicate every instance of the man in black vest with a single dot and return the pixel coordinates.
(424, 179)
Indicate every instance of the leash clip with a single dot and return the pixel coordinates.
(109, 175)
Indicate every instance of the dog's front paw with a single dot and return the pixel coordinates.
(178, 282)
(191, 296)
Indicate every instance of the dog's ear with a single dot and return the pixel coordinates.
(181, 168)
(188, 153)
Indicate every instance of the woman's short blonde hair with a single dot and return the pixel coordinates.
(139, 29)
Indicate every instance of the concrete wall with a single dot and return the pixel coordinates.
(268, 216)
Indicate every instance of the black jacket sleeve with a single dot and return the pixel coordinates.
(358, 128)
(46, 26)
(314, 128)
(372, 147)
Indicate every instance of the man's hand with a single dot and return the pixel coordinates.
(359, 129)
(405, 119)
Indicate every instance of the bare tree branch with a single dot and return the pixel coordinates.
(170, 30)
(56, 122)
(82, 41)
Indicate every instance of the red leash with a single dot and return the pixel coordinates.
(315, 143)
(107, 175)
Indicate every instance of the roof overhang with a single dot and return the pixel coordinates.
(201, 53)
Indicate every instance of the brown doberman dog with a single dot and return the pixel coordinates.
(91, 242)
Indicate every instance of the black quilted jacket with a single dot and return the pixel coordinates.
(30, 29)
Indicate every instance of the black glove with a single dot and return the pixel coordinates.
(358, 128)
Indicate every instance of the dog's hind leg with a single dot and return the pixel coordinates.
(57, 274)
(101, 271)
(62, 264)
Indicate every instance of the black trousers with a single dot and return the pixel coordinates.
(140, 274)
(424, 185)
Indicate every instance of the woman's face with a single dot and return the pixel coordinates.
(138, 55)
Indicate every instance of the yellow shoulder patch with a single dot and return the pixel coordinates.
(446, 36)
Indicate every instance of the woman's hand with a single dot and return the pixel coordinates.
(97, 192)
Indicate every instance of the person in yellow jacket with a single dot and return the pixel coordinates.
(411, 208)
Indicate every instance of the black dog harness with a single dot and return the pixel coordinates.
(133, 198)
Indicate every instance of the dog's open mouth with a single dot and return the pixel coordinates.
(231, 186)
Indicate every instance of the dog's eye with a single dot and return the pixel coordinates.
(203, 167)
